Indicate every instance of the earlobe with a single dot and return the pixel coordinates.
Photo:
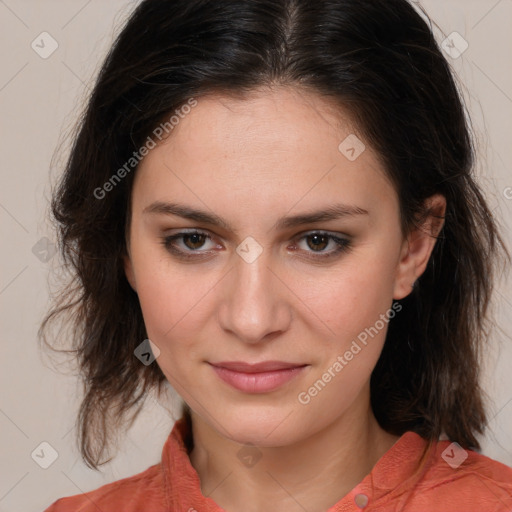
(417, 248)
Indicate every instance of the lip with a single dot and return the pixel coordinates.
(264, 366)
(257, 378)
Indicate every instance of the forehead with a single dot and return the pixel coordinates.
(277, 119)
(268, 150)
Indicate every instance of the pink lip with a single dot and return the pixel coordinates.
(257, 378)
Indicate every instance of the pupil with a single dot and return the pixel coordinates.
(319, 240)
(194, 239)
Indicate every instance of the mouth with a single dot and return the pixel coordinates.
(257, 378)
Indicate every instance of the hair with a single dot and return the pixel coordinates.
(378, 60)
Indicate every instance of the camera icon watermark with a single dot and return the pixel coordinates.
(454, 455)
(44, 455)
(249, 249)
(351, 147)
(44, 249)
(455, 45)
(44, 45)
(146, 352)
(249, 455)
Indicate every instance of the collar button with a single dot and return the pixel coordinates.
(361, 500)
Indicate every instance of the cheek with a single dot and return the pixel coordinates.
(351, 304)
(175, 300)
(156, 282)
(171, 307)
(168, 304)
(157, 300)
(352, 297)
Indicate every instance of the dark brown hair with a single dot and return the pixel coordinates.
(379, 60)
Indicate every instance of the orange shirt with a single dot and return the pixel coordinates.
(451, 480)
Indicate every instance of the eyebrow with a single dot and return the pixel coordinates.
(331, 212)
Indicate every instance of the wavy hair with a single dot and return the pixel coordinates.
(379, 60)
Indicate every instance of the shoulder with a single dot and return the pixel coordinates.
(150, 490)
(459, 479)
(143, 491)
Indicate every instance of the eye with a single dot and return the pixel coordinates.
(197, 244)
(317, 242)
(188, 242)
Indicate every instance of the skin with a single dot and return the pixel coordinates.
(252, 161)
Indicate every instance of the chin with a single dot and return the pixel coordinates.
(260, 426)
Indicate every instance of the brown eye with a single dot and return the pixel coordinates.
(194, 240)
(323, 245)
(318, 241)
(191, 244)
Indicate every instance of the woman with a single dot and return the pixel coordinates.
(279, 195)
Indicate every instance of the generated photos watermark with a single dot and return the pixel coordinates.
(159, 133)
(304, 397)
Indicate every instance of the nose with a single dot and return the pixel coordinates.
(254, 306)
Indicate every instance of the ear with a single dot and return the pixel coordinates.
(418, 247)
(128, 270)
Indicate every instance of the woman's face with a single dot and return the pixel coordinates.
(266, 279)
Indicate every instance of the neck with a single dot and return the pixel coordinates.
(312, 474)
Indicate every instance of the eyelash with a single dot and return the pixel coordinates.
(343, 245)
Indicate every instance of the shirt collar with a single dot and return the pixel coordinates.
(397, 468)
